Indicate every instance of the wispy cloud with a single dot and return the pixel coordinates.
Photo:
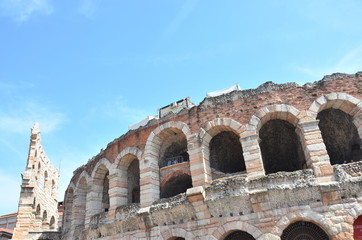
(89, 7)
(184, 12)
(350, 62)
(22, 10)
(22, 118)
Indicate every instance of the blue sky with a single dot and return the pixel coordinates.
(86, 69)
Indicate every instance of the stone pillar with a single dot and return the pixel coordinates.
(118, 191)
(200, 169)
(252, 155)
(196, 197)
(93, 202)
(149, 182)
(315, 151)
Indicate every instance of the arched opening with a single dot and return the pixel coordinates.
(45, 216)
(101, 188)
(37, 211)
(280, 147)
(105, 194)
(39, 166)
(34, 203)
(52, 223)
(68, 208)
(53, 190)
(176, 238)
(303, 230)
(133, 181)
(79, 205)
(226, 154)
(173, 149)
(340, 136)
(239, 235)
(357, 228)
(45, 179)
(177, 184)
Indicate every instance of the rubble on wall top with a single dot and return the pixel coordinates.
(223, 98)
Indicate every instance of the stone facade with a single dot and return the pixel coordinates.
(282, 184)
(38, 203)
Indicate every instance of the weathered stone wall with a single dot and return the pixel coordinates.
(38, 202)
(302, 186)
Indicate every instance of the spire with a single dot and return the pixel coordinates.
(35, 129)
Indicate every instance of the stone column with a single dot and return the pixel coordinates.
(252, 155)
(149, 182)
(315, 151)
(200, 170)
(117, 191)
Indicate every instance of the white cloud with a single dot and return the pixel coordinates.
(22, 10)
(89, 7)
(350, 62)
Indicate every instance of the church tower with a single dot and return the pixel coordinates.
(38, 202)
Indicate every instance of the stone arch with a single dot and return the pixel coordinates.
(79, 205)
(38, 210)
(220, 143)
(279, 141)
(224, 230)
(68, 208)
(340, 121)
(45, 216)
(52, 223)
(305, 230)
(127, 151)
(53, 189)
(271, 112)
(156, 146)
(176, 233)
(342, 101)
(307, 216)
(175, 183)
(99, 195)
(221, 129)
(127, 162)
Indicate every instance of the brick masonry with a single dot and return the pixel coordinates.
(260, 204)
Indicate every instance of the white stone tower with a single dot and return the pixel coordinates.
(38, 204)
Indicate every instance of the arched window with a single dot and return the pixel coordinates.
(105, 194)
(239, 235)
(133, 181)
(280, 147)
(37, 212)
(179, 183)
(45, 216)
(45, 179)
(79, 204)
(340, 136)
(173, 149)
(303, 230)
(52, 193)
(52, 223)
(226, 154)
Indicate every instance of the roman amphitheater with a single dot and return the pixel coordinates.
(277, 162)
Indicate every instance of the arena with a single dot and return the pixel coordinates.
(281, 161)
